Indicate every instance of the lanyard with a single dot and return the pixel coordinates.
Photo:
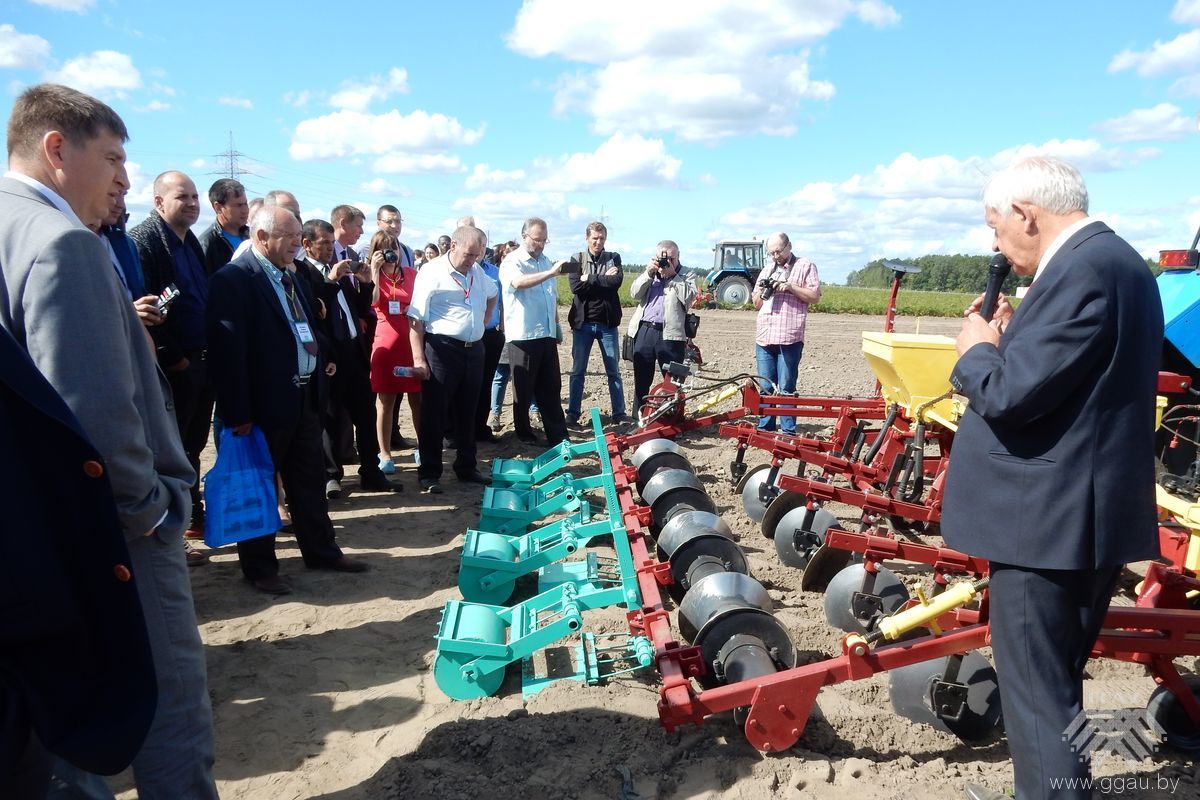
(466, 290)
(395, 279)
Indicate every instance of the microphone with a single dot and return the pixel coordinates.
(998, 269)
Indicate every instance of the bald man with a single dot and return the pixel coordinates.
(171, 255)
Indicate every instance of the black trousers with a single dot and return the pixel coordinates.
(448, 399)
(493, 346)
(1043, 625)
(537, 376)
(350, 412)
(193, 396)
(650, 349)
(296, 452)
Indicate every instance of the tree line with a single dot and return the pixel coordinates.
(940, 273)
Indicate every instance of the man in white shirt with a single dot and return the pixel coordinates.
(531, 327)
(451, 302)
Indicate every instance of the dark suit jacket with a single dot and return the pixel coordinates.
(217, 252)
(154, 250)
(251, 347)
(74, 658)
(1053, 464)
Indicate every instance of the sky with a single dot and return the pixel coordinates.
(863, 129)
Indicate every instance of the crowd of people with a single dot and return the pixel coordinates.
(121, 352)
(153, 340)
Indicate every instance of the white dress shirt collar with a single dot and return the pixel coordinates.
(1057, 244)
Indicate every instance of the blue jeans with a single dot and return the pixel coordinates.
(500, 386)
(779, 363)
(610, 353)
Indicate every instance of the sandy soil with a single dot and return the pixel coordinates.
(327, 693)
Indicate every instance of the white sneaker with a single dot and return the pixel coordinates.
(333, 489)
(494, 422)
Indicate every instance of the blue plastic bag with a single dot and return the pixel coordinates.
(239, 491)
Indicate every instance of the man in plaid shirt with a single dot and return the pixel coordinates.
(779, 337)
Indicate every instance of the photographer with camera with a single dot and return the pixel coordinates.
(390, 297)
(657, 325)
(782, 296)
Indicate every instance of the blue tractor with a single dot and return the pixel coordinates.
(736, 265)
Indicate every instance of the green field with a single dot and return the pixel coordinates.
(844, 300)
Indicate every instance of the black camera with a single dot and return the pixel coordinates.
(390, 257)
(662, 262)
(766, 288)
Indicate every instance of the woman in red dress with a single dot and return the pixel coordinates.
(390, 299)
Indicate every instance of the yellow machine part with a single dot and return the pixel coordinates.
(1188, 515)
(913, 369)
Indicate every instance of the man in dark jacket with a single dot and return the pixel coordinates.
(228, 199)
(595, 316)
(1053, 473)
(171, 255)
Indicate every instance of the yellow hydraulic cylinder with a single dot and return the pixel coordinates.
(893, 627)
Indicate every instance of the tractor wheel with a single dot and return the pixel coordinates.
(733, 290)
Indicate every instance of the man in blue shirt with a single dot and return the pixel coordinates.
(171, 254)
(230, 229)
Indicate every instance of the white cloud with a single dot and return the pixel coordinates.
(413, 143)
(1188, 86)
(198, 163)
(1164, 121)
(501, 214)
(1186, 12)
(708, 179)
(1179, 54)
(484, 177)
(154, 105)
(703, 69)
(236, 102)
(104, 73)
(624, 161)
(298, 99)
(78, 6)
(380, 186)
(418, 163)
(22, 50)
(350, 133)
(909, 207)
(359, 96)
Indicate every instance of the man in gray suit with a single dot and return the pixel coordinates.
(64, 303)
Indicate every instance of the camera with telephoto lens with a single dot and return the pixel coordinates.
(766, 288)
(390, 257)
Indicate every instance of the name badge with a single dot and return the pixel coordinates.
(394, 307)
(304, 332)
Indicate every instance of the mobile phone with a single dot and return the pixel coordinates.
(572, 266)
(167, 296)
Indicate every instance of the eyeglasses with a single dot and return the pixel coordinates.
(536, 241)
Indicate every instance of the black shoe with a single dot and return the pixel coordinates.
(527, 438)
(974, 791)
(378, 483)
(573, 422)
(475, 476)
(399, 442)
(272, 584)
(345, 564)
(429, 486)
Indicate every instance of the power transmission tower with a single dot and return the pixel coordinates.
(228, 162)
